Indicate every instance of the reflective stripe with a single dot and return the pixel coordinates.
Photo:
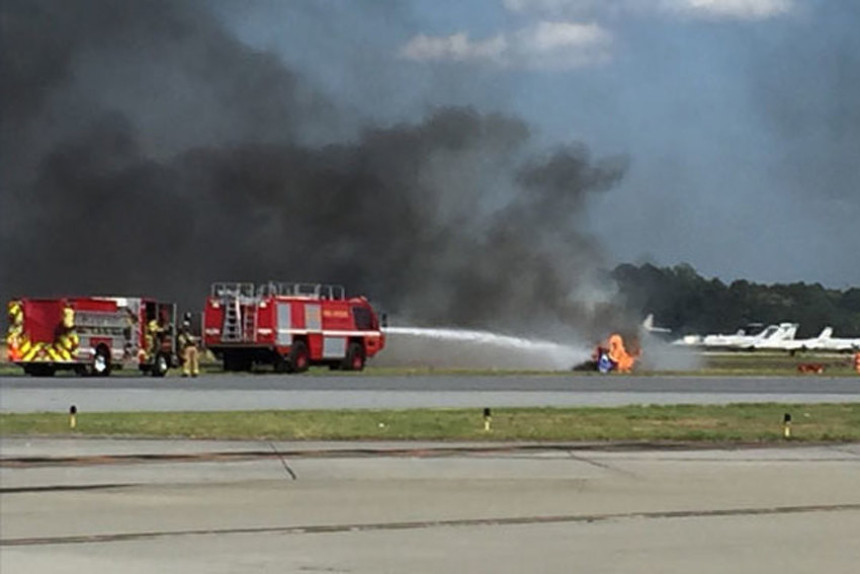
(31, 354)
(332, 333)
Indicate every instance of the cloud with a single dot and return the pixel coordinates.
(569, 8)
(457, 47)
(704, 9)
(728, 9)
(544, 45)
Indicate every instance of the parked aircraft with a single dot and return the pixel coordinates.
(779, 341)
(823, 342)
(744, 340)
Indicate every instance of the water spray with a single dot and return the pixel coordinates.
(478, 349)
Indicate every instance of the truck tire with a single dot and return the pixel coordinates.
(281, 364)
(354, 358)
(160, 365)
(101, 366)
(299, 357)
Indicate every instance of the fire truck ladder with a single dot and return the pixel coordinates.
(232, 332)
(240, 311)
(249, 323)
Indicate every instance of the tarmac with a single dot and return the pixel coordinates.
(253, 392)
(80, 505)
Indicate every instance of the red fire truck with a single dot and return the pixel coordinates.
(91, 335)
(290, 326)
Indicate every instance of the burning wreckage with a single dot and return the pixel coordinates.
(612, 355)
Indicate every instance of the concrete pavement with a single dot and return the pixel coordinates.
(329, 507)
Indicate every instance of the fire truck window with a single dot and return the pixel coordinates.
(363, 319)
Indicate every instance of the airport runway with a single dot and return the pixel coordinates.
(424, 508)
(269, 391)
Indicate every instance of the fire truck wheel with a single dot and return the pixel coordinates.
(354, 358)
(101, 362)
(161, 365)
(299, 358)
(282, 364)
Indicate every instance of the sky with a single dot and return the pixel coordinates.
(740, 119)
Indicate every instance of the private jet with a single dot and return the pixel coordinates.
(744, 340)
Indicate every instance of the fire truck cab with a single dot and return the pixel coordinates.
(290, 326)
(91, 335)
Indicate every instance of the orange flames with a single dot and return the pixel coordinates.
(619, 355)
(615, 350)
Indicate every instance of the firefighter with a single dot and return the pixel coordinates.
(188, 348)
(153, 336)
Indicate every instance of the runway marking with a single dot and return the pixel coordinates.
(425, 524)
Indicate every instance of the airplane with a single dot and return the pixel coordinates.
(743, 340)
(823, 342)
(648, 326)
(780, 341)
(839, 344)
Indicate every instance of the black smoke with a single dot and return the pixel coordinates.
(145, 150)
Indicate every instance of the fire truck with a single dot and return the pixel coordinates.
(91, 335)
(290, 326)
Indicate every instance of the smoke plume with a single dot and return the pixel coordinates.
(145, 150)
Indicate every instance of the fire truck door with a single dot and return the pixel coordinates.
(313, 317)
(285, 323)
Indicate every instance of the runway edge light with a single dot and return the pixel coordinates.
(73, 417)
(786, 425)
(488, 417)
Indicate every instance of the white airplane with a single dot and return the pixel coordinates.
(840, 345)
(779, 341)
(823, 342)
(648, 325)
(742, 340)
(698, 341)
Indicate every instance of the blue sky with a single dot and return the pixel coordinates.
(740, 118)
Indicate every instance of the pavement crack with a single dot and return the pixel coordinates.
(601, 465)
(283, 461)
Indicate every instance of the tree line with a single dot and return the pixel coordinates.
(686, 302)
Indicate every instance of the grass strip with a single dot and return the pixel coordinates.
(707, 423)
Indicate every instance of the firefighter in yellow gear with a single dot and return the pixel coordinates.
(189, 350)
(152, 337)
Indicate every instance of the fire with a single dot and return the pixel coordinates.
(613, 355)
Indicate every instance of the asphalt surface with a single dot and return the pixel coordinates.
(79, 506)
(269, 391)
